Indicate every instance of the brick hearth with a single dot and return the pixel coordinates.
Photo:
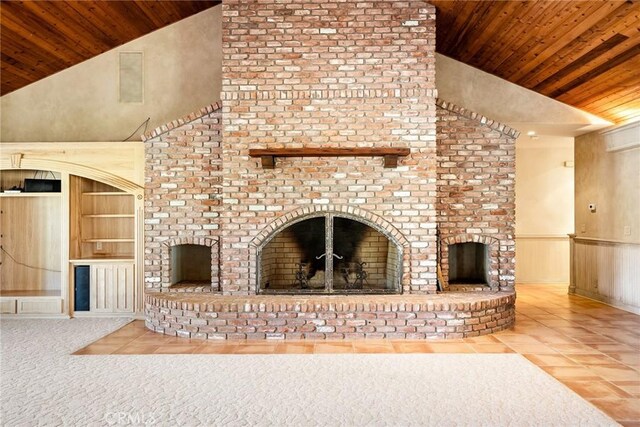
(450, 316)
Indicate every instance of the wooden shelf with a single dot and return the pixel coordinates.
(98, 259)
(390, 154)
(23, 194)
(108, 216)
(108, 240)
(106, 193)
(102, 220)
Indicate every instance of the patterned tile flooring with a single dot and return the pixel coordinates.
(592, 348)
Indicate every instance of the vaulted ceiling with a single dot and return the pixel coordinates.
(583, 53)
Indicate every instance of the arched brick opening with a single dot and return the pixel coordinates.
(207, 242)
(493, 254)
(399, 263)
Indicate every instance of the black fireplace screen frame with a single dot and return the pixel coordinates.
(329, 217)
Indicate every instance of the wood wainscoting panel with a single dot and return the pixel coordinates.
(7, 306)
(608, 271)
(112, 287)
(542, 259)
(39, 306)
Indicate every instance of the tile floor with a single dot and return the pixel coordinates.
(592, 348)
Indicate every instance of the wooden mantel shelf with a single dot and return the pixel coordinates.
(390, 154)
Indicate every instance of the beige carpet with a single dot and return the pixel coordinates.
(42, 384)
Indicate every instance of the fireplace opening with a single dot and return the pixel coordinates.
(468, 263)
(330, 254)
(191, 265)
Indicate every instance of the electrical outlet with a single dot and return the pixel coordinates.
(583, 228)
(98, 246)
(627, 230)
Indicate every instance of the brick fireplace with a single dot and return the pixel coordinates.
(352, 78)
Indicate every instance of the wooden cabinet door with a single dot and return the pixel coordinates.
(112, 287)
(123, 288)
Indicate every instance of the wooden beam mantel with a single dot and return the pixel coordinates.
(390, 154)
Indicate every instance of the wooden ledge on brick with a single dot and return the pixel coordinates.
(390, 154)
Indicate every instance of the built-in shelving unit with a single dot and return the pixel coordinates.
(102, 238)
(103, 220)
(31, 195)
(92, 229)
(104, 193)
(108, 240)
(109, 216)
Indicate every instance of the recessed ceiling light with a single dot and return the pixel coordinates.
(531, 133)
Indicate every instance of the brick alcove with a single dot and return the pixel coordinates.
(493, 246)
(207, 242)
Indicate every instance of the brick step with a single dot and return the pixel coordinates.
(441, 316)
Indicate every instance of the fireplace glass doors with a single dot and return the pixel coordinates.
(329, 254)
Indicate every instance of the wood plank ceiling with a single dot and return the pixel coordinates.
(40, 38)
(583, 53)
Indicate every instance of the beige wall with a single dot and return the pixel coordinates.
(544, 209)
(544, 186)
(611, 180)
(182, 72)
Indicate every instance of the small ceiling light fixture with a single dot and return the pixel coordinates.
(532, 134)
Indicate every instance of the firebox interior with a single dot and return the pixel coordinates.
(329, 254)
(191, 264)
(468, 263)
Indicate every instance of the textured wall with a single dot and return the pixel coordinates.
(611, 180)
(544, 208)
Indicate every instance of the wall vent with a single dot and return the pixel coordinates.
(130, 80)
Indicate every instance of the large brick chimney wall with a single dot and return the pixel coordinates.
(328, 73)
